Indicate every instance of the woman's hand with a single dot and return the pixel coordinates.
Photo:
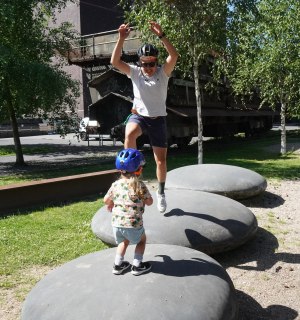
(124, 31)
(155, 28)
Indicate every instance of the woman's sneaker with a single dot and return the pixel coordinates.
(142, 268)
(121, 268)
(161, 202)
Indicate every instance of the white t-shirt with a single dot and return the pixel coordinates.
(150, 93)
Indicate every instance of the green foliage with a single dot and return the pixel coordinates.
(32, 81)
(264, 54)
(196, 28)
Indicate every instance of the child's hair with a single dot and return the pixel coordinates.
(135, 186)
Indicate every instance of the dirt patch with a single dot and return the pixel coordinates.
(265, 271)
(11, 299)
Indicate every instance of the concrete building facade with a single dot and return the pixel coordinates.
(89, 17)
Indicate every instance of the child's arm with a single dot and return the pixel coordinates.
(148, 201)
(146, 195)
(108, 202)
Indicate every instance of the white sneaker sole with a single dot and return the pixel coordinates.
(137, 273)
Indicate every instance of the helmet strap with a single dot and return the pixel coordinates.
(139, 171)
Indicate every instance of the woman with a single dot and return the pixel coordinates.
(150, 84)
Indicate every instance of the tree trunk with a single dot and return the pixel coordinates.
(14, 124)
(283, 128)
(199, 107)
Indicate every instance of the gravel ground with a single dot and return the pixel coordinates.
(265, 271)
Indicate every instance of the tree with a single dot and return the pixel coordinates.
(32, 81)
(196, 28)
(264, 56)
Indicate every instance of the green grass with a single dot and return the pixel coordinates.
(255, 154)
(47, 236)
(252, 154)
(10, 150)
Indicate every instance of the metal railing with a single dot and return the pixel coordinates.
(101, 45)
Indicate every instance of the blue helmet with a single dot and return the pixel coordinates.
(129, 160)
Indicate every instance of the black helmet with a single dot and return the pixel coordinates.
(147, 50)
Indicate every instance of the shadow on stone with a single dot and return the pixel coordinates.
(232, 225)
(240, 232)
(204, 221)
(187, 267)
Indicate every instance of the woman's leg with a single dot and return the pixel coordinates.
(160, 156)
(132, 132)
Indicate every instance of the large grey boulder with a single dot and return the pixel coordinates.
(183, 284)
(200, 220)
(230, 181)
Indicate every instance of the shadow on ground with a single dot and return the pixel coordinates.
(250, 309)
(265, 200)
(261, 249)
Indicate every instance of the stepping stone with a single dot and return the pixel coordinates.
(183, 284)
(200, 220)
(230, 181)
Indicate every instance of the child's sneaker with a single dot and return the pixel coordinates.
(121, 268)
(142, 268)
(161, 202)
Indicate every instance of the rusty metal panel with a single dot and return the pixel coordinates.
(56, 190)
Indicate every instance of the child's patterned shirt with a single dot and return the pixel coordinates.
(128, 208)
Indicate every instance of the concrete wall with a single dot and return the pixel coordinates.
(50, 191)
(88, 17)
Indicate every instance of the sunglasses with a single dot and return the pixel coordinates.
(148, 64)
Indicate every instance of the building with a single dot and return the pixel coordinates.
(88, 17)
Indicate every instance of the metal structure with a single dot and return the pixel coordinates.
(112, 95)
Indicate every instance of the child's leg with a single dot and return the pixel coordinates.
(121, 250)
(139, 251)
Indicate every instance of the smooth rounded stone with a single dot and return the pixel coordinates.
(200, 220)
(230, 181)
(183, 284)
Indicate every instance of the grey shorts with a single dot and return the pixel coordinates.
(155, 128)
(133, 235)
